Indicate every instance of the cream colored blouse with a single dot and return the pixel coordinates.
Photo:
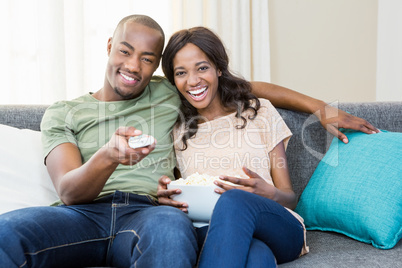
(220, 148)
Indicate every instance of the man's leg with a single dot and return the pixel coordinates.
(158, 236)
(52, 237)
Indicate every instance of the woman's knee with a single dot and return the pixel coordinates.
(235, 199)
(260, 255)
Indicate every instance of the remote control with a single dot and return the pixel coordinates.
(140, 141)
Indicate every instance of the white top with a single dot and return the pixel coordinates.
(219, 148)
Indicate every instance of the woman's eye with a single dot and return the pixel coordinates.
(179, 73)
(203, 68)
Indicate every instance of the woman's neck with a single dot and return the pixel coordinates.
(211, 114)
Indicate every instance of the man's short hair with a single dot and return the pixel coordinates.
(144, 20)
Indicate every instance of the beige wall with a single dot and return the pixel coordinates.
(325, 48)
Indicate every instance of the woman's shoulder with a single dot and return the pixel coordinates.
(265, 103)
(266, 107)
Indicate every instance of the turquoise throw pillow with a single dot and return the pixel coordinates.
(356, 189)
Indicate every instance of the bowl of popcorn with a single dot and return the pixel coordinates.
(197, 191)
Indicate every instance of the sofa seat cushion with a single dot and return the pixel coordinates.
(329, 250)
(356, 189)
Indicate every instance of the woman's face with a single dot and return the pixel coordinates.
(196, 77)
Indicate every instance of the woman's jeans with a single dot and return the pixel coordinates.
(120, 230)
(247, 230)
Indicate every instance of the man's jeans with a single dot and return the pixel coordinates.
(121, 230)
(248, 230)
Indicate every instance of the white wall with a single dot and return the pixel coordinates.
(389, 51)
(326, 48)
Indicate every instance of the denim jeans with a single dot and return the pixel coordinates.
(247, 230)
(120, 230)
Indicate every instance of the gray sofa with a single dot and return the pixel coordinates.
(326, 249)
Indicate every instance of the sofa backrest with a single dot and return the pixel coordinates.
(306, 148)
(310, 141)
(22, 116)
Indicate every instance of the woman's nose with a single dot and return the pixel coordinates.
(193, 79)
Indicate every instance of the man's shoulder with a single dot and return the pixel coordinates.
(60, 109)
(68, 104)
(161, 82)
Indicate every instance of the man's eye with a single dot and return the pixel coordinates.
(147, 60)
(124, 52)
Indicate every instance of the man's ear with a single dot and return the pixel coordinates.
(109, 46)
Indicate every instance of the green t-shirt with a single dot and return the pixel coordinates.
(90, 123)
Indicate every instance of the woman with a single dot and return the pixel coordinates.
(226, 130)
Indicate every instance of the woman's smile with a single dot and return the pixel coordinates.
(198, 94)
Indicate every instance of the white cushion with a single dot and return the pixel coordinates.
(24, 180)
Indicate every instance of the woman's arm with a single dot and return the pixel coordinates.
(282, 190)
(284, 194)
(330, 117)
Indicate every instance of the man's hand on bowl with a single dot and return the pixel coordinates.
(164, 195)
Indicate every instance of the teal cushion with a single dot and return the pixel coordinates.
(356, 189)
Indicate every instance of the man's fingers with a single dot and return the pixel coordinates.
(128, 131)
(167, 193)
(164, 180)
(170, 202)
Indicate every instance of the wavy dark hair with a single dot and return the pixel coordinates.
(234, 91)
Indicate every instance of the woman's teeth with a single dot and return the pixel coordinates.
(197, 92)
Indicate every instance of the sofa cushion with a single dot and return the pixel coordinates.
(24, 180)
(356, 189)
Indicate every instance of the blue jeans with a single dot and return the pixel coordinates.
(247, 230)
(121, 230)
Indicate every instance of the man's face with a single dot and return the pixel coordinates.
(134, 55)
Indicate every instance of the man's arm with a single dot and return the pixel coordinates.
(78, 183)
(330, 117)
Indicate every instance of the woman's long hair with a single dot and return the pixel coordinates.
(235, 92)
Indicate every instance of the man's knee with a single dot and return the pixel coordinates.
(170, 225)
(168, 237)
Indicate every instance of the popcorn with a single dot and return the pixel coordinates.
(198, 179)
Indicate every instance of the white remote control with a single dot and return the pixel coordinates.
(140, 141)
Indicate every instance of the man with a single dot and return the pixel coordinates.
(108, 213)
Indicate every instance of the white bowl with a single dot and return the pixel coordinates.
(201, 200)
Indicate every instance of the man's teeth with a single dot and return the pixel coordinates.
(198, 91)
(127, 77)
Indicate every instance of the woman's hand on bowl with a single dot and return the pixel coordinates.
(164, 195)
(254, 184)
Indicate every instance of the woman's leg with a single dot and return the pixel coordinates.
(237, 218)
(157, 236)
(260, 255)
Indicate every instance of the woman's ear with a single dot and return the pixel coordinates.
(219, 73)
(109, 46)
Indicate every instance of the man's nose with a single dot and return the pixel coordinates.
(133, 65)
